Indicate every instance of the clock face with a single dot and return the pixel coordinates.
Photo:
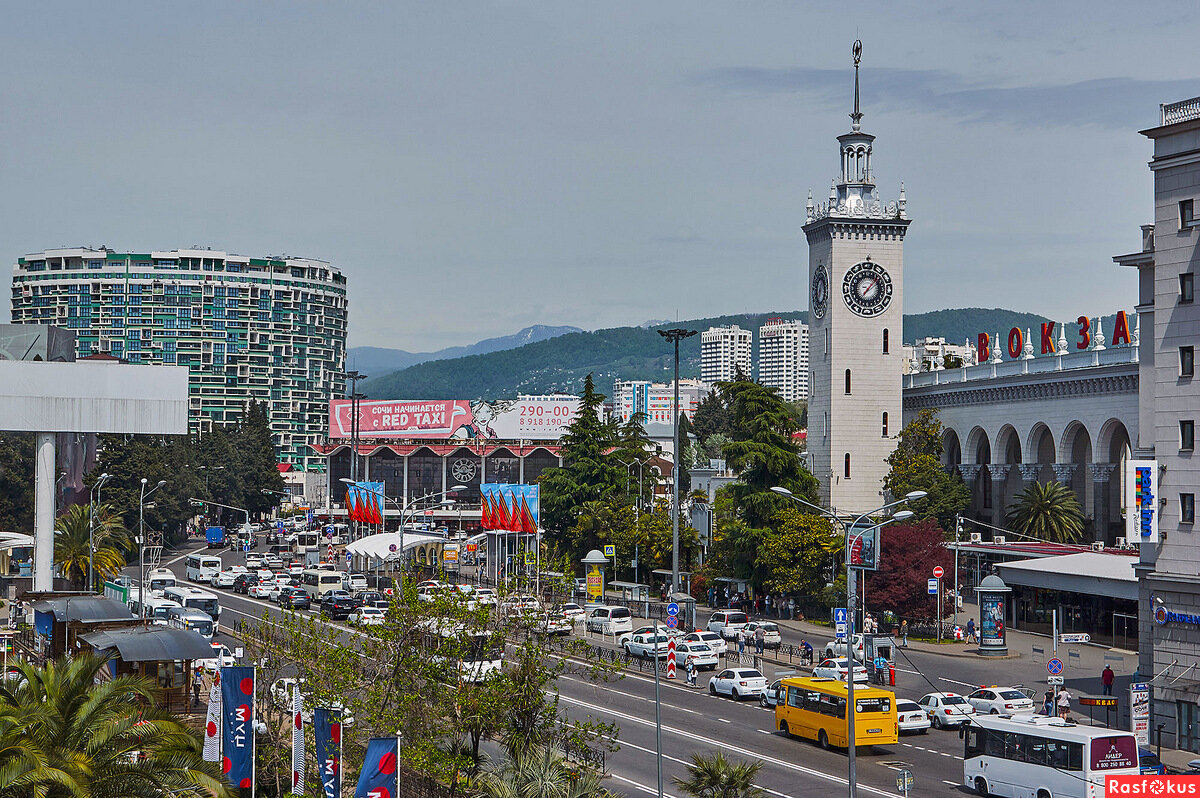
(819, 301)
(867, 289)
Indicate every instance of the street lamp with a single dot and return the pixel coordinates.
(143, 493)
(675, 335)
(851, 596)
(93, 499)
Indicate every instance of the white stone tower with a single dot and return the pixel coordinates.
(855, 280)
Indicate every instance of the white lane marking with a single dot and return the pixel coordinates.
(943, 753)
(726, 721)
(951, 783)
(726, 746)
(906, 745)
(670, 758)
(762, 731)
(640, 786)
(630, 695)
(972, 685)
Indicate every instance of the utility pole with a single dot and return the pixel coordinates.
(675, 336)
(353, 377)
(95, 498)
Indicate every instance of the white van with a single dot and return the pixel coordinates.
(727, 623)
(609, 620)
(354, 582)
(202, 567)
(196, 620)
(156, 609)
(160, 579)
(317, 582)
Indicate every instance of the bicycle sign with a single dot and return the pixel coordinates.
(1055, 666)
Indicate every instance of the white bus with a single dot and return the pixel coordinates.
(1033, 756)
(202, 567)
(160, 579)
(196, 620)
(196, 599)
(304, 542)
(155, 609)
(316, 582)
(479, 654)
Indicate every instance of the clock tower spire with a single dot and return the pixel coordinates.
(855, 271)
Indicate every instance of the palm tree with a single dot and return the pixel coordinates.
(717, 777)
(1047, 511)
(72, 542)
(64, 736)
(539, 772)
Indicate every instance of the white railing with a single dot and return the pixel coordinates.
(1088, 358)
(1182, 111)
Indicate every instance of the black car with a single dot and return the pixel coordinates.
(243, 582)
(337, 607)
(294, 599)
(372, 598)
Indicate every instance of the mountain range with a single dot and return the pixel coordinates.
(380, 361)
(559, 362)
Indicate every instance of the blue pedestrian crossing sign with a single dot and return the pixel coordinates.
(672, 609)
(279, 524)
(1055, 666)
(610, 550)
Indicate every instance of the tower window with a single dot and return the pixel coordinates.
(1187, 434)
(847, 380)
(885, 341)
(885, 425)
(1187, 215)
(1187, 361)
(846, 466)
(1187, 287)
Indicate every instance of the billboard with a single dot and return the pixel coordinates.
(864, 546)
(364, 502)
(510, 507)
(526, 418)
(1141, 501)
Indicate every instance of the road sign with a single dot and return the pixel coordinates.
(1080, 637)
(1055, 680)
(246, 547)
(672, 622)
(672, 608)
(938, 572)
(279, 525)
(839, 622)
(932, 587)
(349, 558)
(671, 658)
(1054, 665)
(904, 781)
(610, 550)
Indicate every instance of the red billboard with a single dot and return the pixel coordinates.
(527, 418)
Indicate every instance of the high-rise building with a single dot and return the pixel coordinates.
(856, 278)
(655, 399)
(723, 351)
(783, 358)
(271, 329)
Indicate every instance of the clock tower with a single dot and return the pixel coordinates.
(856, 312)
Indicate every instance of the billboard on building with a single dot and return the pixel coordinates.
(526, 418)
(1141, 501)
(510, 507)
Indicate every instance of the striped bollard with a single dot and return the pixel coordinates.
(671, 658)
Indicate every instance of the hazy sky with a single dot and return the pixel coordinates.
(478, 167)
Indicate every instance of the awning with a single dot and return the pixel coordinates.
(12, 540)
(388, 545)
(1091, 573)
(151, 644)
(85, 609)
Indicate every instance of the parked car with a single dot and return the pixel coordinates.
(771, 636)
(294, 598)
(222, 658)
(573, 611)
(699, 654)
(486, 597)
(337, 607)
(554, 624)
(609, 620)
(646, 630)
(581, 586)
(911, 717)
(1001, 701)
(837, 648)
(726, 623)
(711, 639)
(646, 645)
(1150, 764)
(946, 709)
(839, 668)
(774, 694)
(738, 683)
(366, 616)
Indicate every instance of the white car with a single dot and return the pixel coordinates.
(646, 630)
(699, 654)
(222, 658)
(711, 639)
(366, 616)
(738, 682)
(771, 636)
(1000, 701)
(486, 597)
(726, 623)
(254, 562)
(837, 648)
(272, 561)
(946, 709)
(224, 579)
(573, 611)
(295, 569)
(838, 668)
(646, 645)
(911, 717)
(262, 589)
(773, 695)
(554, 624)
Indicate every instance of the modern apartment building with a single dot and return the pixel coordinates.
(655, 399)
(271, 329)
(929, 354)
(724, 350)
(783, 358)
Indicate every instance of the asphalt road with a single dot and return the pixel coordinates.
(695, 722)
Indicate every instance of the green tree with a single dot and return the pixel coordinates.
(795, 554)
(685, 457)
(16, 481)
(1048, 511)
(77, 737)
(712, 416)
(715, 776)
(916, 464)
(73, 535)
(539, 772)
(257, 461)
(714, 445)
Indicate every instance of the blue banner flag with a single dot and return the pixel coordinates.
(379, 777)
(237, 724)
(327, 728)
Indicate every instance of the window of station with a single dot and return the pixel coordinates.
(1187, 508)
(1187, 214)
(1187, 361)
(846, 466)
(885, 425)
(885, 341)
(1187, 434)
(1187, 287)
(847, 381)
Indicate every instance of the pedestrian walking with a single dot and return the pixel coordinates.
(197, 683)
(767, 604)
(759, 640)
(1106, 678)
(971, 631)
(904, 633)
(791, 608)
(741, 640)
(881, 666)
(1048, 703)
(1064, 703)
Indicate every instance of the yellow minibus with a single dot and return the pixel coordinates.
(816, 710)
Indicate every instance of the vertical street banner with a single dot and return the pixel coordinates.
(327, 731)
(864, 546)
(1141, 501)
(380, 777)
(297, 740)
(1139, 712)
(237, 725)
(512, 508)
(212, 722)
(364, 502)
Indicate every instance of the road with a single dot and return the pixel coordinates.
(695, 722)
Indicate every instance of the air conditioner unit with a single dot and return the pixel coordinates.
(976, 537)
(999, 539)
(1098, 546)
(1122, 543)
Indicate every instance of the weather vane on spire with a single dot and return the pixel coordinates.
(856, 51)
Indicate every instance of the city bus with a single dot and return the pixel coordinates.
(195, 620)
(195, 598)
(160, 579)
(316, 582)
(1033, 755)
(155, 609)
(478, 653)
(202, 567)
(816, 710)
(303, 543)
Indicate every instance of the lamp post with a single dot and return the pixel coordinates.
(839, 522)
(142, 543)
(675, 335)
(94, 496)
(414, 505)
(207, 471)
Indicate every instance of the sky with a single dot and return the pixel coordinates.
(475, 168)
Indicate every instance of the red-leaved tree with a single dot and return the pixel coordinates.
(907, 556)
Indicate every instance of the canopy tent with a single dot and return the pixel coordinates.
(152, 644)
(389, 545)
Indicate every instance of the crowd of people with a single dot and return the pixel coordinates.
(767, 605)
